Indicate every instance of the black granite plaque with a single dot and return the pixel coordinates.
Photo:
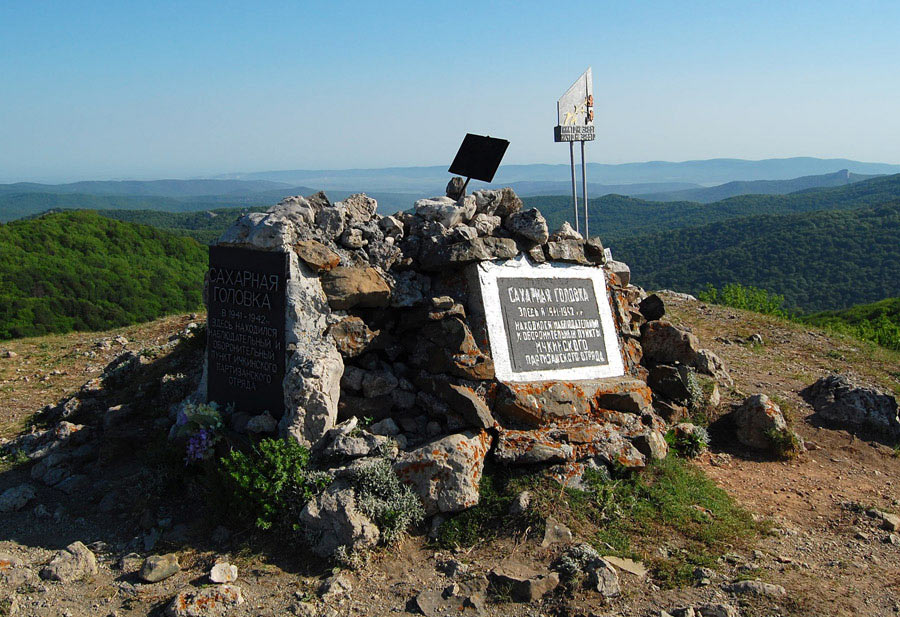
(551, 323)
(245, 344)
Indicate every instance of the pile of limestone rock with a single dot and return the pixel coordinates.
(386, 357)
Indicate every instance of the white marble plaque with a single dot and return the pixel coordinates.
(548, 322)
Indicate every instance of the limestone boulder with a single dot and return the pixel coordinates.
(17, 497)
(409, 288)
(594, 251)
(159, 567)
(223, 572)
(571, 251)
(619, 271)
(525, 584)
(755, 418)
(74, 563)
(839, 400)
(332, 520)
(663, 343)
(445, 211)
(446, 473)
(531, 447)
(623, 394)
(352, 238)
(363, 287)
(456, 187)
(213, 601)
(352, 336)
(566, 232)
(330, 220)
(391, 227)
(348, 441)
(497, 202)
(652, 445)
(312, 389)
(535, 404)
(486, 224)
(316, 255)
(440, 256)
(460, 399)
(528, 224)
(359, 209)
(260, 230)
(652, 307)
(15, 572)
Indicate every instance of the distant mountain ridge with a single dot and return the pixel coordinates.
(431, 180)
(757, 187)
(547, 187)
(149, 188)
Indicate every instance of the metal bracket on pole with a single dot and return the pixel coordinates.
(574, 191)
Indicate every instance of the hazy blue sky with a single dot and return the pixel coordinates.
(178, 89)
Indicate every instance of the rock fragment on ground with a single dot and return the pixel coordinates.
(214, 601)
(758, 588)
(223, 572)
(755, 419)
(159, 567)
(75, 562)
(839, 400)
(17, 497)
(523, 583)
(446, 473)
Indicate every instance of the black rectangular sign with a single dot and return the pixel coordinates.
(245, 341)
(479, 157)
(573, 133)
(551, 323)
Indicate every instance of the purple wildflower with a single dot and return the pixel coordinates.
(199, 446)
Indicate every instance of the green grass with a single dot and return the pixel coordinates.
(671, 503)
(490, 517)
(10, 460)
(785, 443)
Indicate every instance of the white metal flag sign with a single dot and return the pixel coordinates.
(575, 122)
(575, 111)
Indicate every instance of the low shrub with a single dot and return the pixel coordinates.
(688, 444)
(391, 504)
(270, 484)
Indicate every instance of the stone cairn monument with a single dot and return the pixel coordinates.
(457, 332)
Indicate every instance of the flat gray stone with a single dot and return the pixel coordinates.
(159, 567)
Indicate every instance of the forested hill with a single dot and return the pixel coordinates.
(878, 321)
(81, 271)
(817, 261)
(617, 216)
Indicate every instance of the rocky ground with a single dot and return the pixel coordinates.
(827, 553)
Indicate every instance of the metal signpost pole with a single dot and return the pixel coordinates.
(575, 122)
(584, 190)
(574, 193)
